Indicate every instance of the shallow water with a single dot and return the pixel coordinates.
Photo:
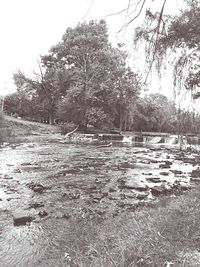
(72, 176)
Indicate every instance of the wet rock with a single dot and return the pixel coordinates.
(97, 181)
(92, 187)
(112, 189)
(176, 172)
(26, 164)
(135, 185)
(36, 187)
(164, 173)
(145, 161)
(43, 213)
(126, 165)
(73, 195)
(159, 190)
(97, 196)
(142, 195)
(36, 205)
(154, 161)
(184, 185)
(165, 165)
(66, 216)
(21, 219)
(17, 171)
(153, 179)
(196, 173)
(7, 177)
(105, 193)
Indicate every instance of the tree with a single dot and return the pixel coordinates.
(96, 71)
(154, 113)
(177, 36)
(42, 89)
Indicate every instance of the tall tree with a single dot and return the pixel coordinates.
(95, 69)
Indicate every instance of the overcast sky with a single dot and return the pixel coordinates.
(29, 28)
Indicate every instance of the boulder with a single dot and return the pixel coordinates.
(43, 213)
(22, 218)
(153, 179)
(176, 172)
(36, 205)
(36, 187)
(135, 185)
(164, 173)
(195, 173)
(159, 190)
(142, 195)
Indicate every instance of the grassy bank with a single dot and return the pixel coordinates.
(167, 233)
(16, 130)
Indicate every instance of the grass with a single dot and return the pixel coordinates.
(15, 130)
(156, 236)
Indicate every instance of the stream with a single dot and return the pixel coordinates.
(55, 183)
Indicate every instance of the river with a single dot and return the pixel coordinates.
(58, 184)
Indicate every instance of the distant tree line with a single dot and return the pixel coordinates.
(86, 81)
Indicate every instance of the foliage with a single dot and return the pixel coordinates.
(97, 75)
(82, 79)
(156, 113)
(178, 38)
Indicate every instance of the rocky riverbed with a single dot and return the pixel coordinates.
(43, 186)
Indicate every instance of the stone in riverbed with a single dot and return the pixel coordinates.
(159, 190)
(196, 173)
(135, 185)
(142, 195)
(22, 219)
(164, 173)
(43, 213)
(153, 179)
(176, 172)
(36, 187)
(36, 205)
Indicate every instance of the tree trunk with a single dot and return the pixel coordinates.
(51, 119)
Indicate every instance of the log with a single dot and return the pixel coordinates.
(68, 134)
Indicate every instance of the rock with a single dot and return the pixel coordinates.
(153, 179)
(26, 164)
(36, 205)
(17, 171)
(142, 195)
(184, 185)
(43, 213)
(111, 189)
(135, 185)
(73, 195)
(21, 219)
(66, 216)
(164, 166)
(176, 172)
(154, 161)
(159, 190)
(195, 173)
(36, 187)
(7, 177)
(164, 173)
(105, 193)
(97, 196)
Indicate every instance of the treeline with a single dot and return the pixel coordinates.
(84, 80)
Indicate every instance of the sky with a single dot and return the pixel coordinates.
(28, 28)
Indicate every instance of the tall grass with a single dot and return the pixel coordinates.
(149, 237)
